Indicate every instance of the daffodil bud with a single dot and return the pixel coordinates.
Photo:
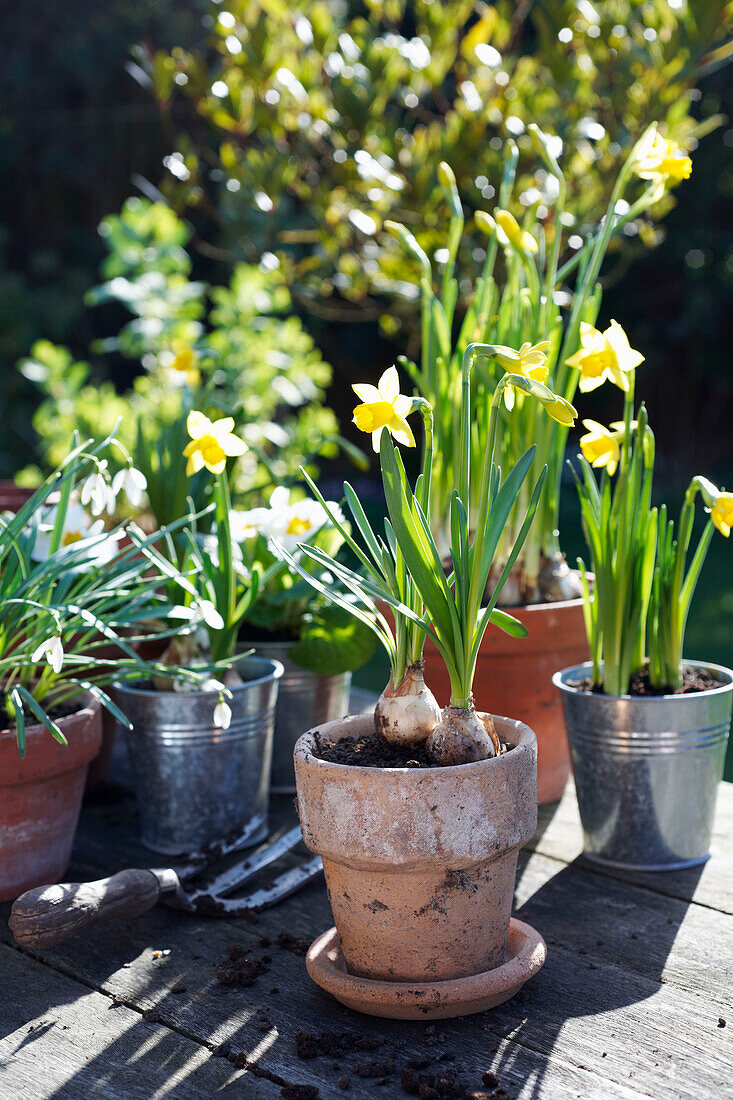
(447, 181)
(446, 176)
(561, 411)
(405, 237)
(485, 223)
(542, 145)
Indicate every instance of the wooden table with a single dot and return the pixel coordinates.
(635, 999)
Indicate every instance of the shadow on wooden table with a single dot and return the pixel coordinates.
(609, 944)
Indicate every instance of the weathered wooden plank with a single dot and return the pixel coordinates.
(62, 1040)
(606, 921)
(559, 836)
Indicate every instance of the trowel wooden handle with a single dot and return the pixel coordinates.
(49, 915)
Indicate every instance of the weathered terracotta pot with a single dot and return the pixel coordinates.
(514, 676)
(420, 863)
(40, 797)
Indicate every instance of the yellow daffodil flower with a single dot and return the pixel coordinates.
(722, 513)
(530, 360)
(604, 355)
(211, 443)
(185, 362)
(600, 446)
(384, 407)
(512, 233)
(664, 163)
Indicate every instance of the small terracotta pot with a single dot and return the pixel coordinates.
(420, 863)
(40, 797)
(514, 676)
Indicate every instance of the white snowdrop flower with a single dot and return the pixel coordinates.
(210, 615)
(52, 650)
(97, 492)
(222, 715)
(133, 482)
(180, 611)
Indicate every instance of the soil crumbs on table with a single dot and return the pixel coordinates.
(239, 969)
(433, 1077)
(374, 752)
(693, 680)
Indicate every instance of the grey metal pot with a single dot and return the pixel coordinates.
(647, 770)
(195, 782)
(305, 700)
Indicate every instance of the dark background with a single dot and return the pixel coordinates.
(78, 134)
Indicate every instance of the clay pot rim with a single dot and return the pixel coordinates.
(90, 707)
(725, 674)
(524, 742)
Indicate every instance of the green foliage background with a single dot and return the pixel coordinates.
(79, 134)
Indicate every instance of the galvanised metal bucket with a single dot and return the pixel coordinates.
(305, 700)
(647, 770)
(195, 782)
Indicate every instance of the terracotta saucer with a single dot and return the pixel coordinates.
(526, 953)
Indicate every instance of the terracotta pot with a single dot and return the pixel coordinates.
(419, 863)
(40, 798)
(13, 497)
(514, 676)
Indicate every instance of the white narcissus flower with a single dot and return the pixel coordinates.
(289, 524)
(222, 715)
(133, 482)
(77, 528)
(245, 525)
(53, 651)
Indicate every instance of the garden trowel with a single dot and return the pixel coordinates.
(50, 915)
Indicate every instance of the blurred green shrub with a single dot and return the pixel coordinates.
(318, 121)
(228, 349)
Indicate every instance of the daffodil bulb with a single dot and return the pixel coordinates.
(461, 737)
(405, 715)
